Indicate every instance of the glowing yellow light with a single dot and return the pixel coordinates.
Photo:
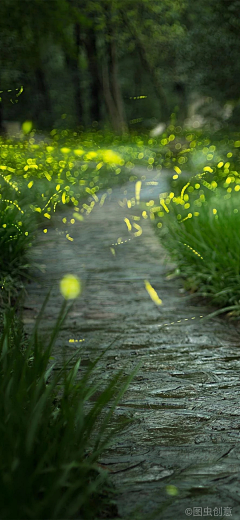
(45, 230)
(70, 287)
(193, 250)
(27, 127)
(128, 224)
(207, 169)
(164, 205)
(65, 150)
(152, 293)
(77, 216)
(102, 199)
(112, 251)
(48, 177)
(220, 164)
(78, 152)
(47, 215)
(90, 155)
(214, 211)
(111, 157)
(184, 188)
(137, 190)
(177, 170)
(172, 490)
(237, 187)
(139, 230)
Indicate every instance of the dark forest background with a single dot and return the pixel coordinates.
(119, 64)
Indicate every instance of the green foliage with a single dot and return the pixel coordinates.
(52, 430)
(199, 219)
(207, 250)
(36, 178)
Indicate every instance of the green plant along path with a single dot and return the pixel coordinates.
(198, 217)
(64, 192)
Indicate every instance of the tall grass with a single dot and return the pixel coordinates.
(199, 219)
(50, 438)
(207, 251)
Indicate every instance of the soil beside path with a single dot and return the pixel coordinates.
(185, 398)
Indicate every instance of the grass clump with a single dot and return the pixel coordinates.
(50, 438)
(206, 249)
(199, 220)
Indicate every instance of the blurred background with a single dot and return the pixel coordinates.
(119, 64)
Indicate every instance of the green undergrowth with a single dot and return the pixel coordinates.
(51, 439)
(37, 178)
(207, 251)
(198, 220)
(40, 174)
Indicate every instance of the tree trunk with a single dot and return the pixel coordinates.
(72, 64)
(146, 62)
(180, 91)
(45, 103)
(2, 129)
(95, 83)
(76, 79)
(117, 94)
(111, 88)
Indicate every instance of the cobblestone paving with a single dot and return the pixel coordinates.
(185, 398)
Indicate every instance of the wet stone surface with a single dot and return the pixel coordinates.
(184, 401)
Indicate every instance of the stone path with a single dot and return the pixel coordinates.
(185, 398)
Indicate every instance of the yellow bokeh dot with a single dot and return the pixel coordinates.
(70, 287)
(172, 490)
